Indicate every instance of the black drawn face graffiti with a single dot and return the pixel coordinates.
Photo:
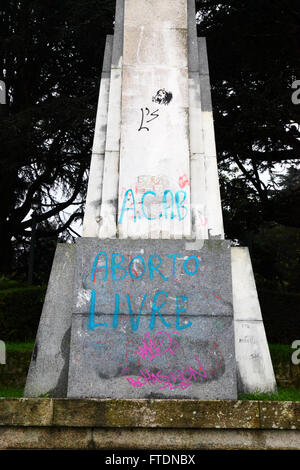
(162, 97)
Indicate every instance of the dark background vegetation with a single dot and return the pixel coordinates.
(50, 58)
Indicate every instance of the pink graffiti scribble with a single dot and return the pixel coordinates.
(172, 380)
(183, 181)
(152, 348)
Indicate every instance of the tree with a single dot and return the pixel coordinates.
(50, 58)
(254, 59)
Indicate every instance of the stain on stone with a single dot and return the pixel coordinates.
(112, 202)
(35, 351)
(60, 391)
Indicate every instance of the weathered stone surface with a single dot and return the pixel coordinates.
(108, 212)
(78, 413)
(24, 412)
(156, 413)
(157, 12)
(208, 290)
(221, 414)
(118, 35)
(123, 321)
(199, 362)
(45, 438)
(245, 296)
(48, 370)
(154, 130)
(171, 439)
(94, 193)
(280, 415)
(2, 93)
(192, 38)
(160, 180)
(150, 54)
(198, 439)
(254, 365)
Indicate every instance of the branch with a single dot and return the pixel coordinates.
(23, 210)
(59, 207)
(63, 227)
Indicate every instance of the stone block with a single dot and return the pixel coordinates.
(245, 298)
(203, 59)
(254, 365)
(150, 47)
(156, 13)
(117, 52)
(198, 363)
(192, 37)
(149, 413)
(202, 275)
(23, 412)
(152, 319)
(280, 415)
(33, 438)
(48, 371)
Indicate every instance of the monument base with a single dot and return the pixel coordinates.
(182, 348)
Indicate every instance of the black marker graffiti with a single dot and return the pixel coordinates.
(146, 113)
(162, 97)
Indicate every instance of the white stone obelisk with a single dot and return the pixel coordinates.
(154, 167)
(153, 174)
(155, 154)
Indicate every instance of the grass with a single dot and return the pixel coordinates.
(26, 346)
(11, 392)
(280, 352)
(284, 394)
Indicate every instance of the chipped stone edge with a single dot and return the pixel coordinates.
(143, 413)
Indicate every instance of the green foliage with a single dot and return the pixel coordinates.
(8, 283)
(50, 58)
(281, 313)
(253, 50)
(284, 394)
(20, 311)
(276, 257)
(23, 346)
(280, 352)
(11, 392)
(254, 59)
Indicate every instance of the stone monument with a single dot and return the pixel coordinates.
(152, 301)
